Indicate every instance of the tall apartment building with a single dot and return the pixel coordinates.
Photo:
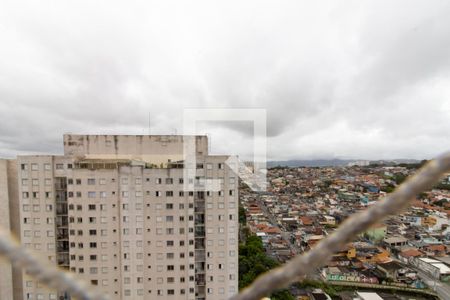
(115, 211)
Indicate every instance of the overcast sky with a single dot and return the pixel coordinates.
(339, 79)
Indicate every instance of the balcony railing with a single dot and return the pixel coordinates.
(200, 244)
(199, 231)
(200, 256)
(199, 207)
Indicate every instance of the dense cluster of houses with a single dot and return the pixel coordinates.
(304, 205)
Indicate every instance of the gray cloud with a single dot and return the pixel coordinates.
(360, 79)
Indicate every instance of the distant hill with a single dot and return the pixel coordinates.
(333, 162)
(309, 163)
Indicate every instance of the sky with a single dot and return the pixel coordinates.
(338, 79)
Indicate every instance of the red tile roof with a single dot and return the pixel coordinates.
(411, 253)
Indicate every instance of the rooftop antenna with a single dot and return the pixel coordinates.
(149, 131)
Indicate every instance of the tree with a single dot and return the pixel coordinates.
(282, 295)
(242, 216)
(399, 178)
(253, 261)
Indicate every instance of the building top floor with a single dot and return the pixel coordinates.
(134, 146)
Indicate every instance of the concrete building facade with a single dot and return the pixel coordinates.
(115, 211)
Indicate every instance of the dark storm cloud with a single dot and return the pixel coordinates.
(360, 79)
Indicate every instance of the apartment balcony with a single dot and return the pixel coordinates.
(60, 186)
(63, 260)
(62, 221)
(199, 219)
(62, 247)
(199, 267)
(200, 256)
(61, 196)
(200, 292)
(199, 207)
(62, 235)
(199, 244)
(200, 282)
(61, 209)
(199, 195)
(199, 231)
